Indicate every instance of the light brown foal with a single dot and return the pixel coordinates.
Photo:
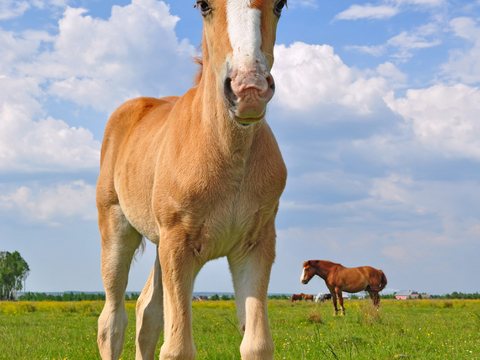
(338, 278)
(201, 177)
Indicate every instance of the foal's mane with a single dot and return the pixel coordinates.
(198, 74)
(198, 59)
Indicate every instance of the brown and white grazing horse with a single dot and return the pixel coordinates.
(339, 278)
(200, 176)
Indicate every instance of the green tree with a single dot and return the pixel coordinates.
(13, 273)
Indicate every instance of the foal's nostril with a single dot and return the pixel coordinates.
(271, 82)
(228, 93)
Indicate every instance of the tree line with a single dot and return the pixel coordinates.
(454, 295)
(460, 295)
(81, 296)
(13, 273)
(69, 296)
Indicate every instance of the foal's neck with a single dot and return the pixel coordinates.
(225, 134)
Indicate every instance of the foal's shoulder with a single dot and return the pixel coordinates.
(142, 105)
(132, 111)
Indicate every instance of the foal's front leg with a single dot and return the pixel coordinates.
(177, 261)
(250, 269)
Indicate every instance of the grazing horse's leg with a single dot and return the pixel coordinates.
(119, 242)
(177, 261)
(340, 300)
(250, 270)
(150, 314)
(334, 300)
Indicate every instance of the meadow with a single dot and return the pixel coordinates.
(411, 329)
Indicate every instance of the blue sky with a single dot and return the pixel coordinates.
(377, 113)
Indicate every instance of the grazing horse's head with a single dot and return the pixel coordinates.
(238, 41)
(307, 273)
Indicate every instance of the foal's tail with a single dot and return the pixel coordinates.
(381, 285)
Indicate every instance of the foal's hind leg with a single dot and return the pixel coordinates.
(150, 314)
(119, 242)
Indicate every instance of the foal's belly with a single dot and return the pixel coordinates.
(140, 215)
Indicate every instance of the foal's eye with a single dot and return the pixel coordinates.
(279, 7)
(205, 9)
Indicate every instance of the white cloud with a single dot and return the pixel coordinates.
(430, 3)
(12, 8)
(76, 199)
(91, 62)
(385, 9)
(405, 43)
(464, 65)
(390, 71)
(308, 76)
(444, 118)
(303, 3)
(388, 190)
(374, 50)
(367, 11)
(101, 63)
(398, 252)
(48, 144)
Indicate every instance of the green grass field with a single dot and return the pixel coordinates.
(412, 329)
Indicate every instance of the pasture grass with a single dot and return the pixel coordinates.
(411, 329)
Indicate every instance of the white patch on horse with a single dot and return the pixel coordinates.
(244, 31)
(302, 277)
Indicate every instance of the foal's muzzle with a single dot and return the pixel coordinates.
(246, 94)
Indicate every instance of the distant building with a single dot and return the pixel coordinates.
(406, 294)
(426, 296)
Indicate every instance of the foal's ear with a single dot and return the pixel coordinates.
(308, 263)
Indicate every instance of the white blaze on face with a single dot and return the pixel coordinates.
(244, 32)
(303, 275)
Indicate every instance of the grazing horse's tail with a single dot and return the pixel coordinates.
(381, 285)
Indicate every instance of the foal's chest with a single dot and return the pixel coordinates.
(219, 213)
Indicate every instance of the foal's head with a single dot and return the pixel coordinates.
(307, 273)
(238, 41)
